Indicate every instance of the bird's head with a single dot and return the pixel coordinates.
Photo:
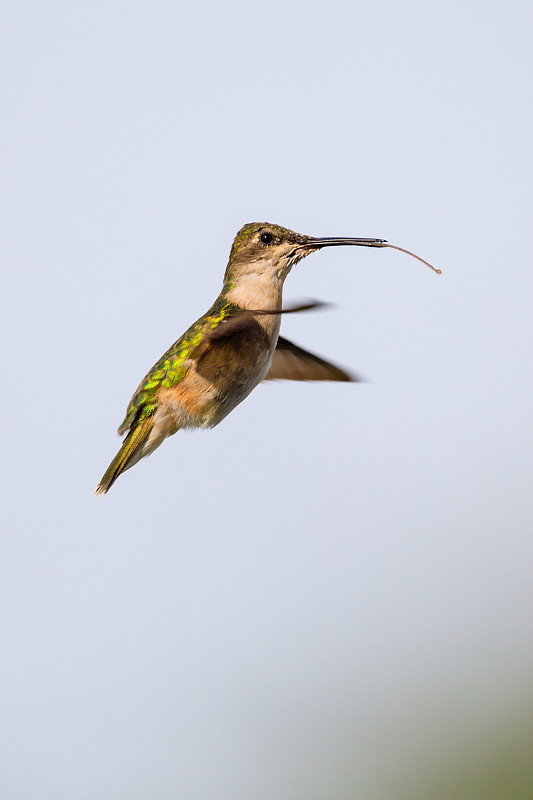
(261, 248)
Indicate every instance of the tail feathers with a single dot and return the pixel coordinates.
(128, 453)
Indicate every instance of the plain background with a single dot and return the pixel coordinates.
(330, 595)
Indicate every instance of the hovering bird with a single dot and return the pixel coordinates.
(230, 349)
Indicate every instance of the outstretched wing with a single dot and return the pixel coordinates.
(239, 320)
(290, 362)
(293, 363)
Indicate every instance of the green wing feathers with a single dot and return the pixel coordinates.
(128, 453)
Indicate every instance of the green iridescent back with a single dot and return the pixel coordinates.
(171, 369)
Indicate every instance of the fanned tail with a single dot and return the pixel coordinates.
(128, 453)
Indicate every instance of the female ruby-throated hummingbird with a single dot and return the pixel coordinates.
(231, 349)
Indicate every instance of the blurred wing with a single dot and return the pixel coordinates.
(243, 318)
(292, 363)
(240, 319)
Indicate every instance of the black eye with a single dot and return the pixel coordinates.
(266, 238)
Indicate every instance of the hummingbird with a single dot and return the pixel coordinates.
(234, 346)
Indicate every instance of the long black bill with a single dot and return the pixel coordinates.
(337, 241)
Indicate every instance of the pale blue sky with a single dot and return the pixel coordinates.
(297, 603)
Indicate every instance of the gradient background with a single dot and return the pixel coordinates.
(331, 594)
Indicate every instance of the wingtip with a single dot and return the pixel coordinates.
(354, 377)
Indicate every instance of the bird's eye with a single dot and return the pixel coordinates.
(266, 238)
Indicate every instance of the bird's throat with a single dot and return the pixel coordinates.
(259, 292)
